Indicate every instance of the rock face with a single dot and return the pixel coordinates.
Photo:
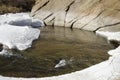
(89, 15)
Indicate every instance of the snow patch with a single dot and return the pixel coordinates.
(16, 31)
(115, 51)
(20, 19)
(17, 37)
(109, 35)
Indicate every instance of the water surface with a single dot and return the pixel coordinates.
(81, 48)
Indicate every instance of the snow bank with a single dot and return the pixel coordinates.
(115, 51)
(16, 31)
(17, 37)
(110, 35)
(20, 19)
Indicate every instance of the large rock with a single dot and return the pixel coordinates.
(90, 15)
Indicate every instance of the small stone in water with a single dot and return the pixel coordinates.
(62, 63)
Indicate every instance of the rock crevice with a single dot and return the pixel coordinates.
(89, 15)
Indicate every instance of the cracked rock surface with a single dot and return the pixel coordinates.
(92, 15)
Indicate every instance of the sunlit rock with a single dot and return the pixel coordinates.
(92, 15)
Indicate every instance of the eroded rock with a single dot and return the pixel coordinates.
(89, 15)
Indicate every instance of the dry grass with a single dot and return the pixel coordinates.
(9, 9)
(13, 6)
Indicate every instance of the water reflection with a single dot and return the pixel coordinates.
(71, 35)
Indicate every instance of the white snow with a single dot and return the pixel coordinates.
(17, 37)
(16, 31)
(20, 19)
(115, 51)
(110, 35)
(107, 70)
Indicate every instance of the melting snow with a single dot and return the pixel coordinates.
(17, 37)
(110, 35)
(16, 31)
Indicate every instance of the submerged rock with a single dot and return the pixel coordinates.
(1, 47)
(63, 63)
(89, 15)
(115, 43)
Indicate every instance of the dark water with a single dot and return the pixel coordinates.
(80, 48)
